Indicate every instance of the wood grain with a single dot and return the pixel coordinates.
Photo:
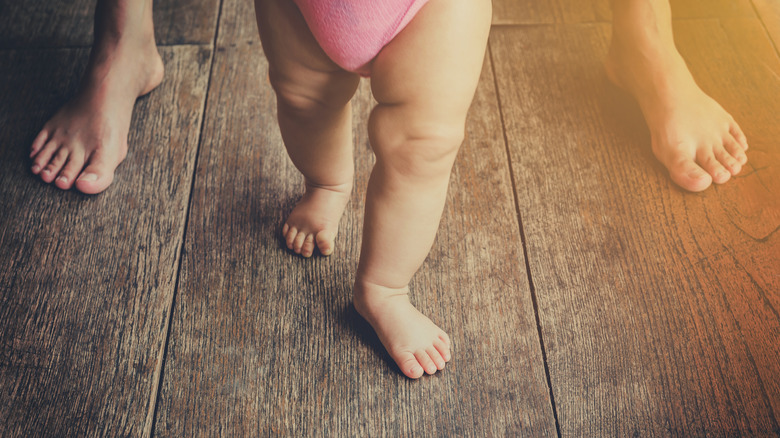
(86, 281)
(658, 308)
(264, 342)
(65, 23)
(550, 11)
(530, 12)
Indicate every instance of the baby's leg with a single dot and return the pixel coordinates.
(424, 81)
(692, 135)
(315, 118)
(87, 139)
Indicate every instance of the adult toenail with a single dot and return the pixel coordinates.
(88, 177)
(36, 168)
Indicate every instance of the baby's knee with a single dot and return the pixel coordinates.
(312, 94)
(415, 145)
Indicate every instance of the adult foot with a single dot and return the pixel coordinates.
(314, 221)
(87, 138)
(692, 135)
(414, 342)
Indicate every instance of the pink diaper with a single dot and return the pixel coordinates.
(352, 32)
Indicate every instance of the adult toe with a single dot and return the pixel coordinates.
(733, 147)
(726, 160)
(55, 165)
(43, 156)
(689, 175)
(39, 142)
(738, 135)
(706, 158)
(70, 171)
(98, 175)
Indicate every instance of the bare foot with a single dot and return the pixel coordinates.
(414, 342)
(692, 135)
(315, 219)
(87, 138)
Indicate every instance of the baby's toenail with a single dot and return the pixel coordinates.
(62, 179)
(88, 177)
(46, 170)
(36, 168)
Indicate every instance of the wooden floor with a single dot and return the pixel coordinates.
(585, 294)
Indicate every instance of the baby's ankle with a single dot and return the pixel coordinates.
(366, 294)
(343, 187)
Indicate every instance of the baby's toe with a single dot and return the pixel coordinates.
(298, 242)
(435, 356)
(443, 349)
(444, 337)
(409, 365)
(425, 361)
(325, 242)
(290, 235)
(308, 246)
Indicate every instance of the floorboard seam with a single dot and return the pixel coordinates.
(149, 428)
(763, 25)
(523, 242)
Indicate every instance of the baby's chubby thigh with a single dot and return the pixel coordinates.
(424, 81)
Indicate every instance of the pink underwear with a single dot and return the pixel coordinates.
(352, 32)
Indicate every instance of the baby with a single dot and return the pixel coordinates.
(424, 58)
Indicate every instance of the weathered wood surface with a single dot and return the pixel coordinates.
(658, 308)
(86, 282)
(265, 342)
(66, 23)
(586, 11)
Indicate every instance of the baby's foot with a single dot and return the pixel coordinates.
(692, 135)
(315, 219)
(414, 342)
(87, 138)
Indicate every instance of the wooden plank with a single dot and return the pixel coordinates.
(658, 308)
(550, 11)
(86, 282)
(237, 24)
(769, 11)
(66, 23)
(264, 342)
(579, 11)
